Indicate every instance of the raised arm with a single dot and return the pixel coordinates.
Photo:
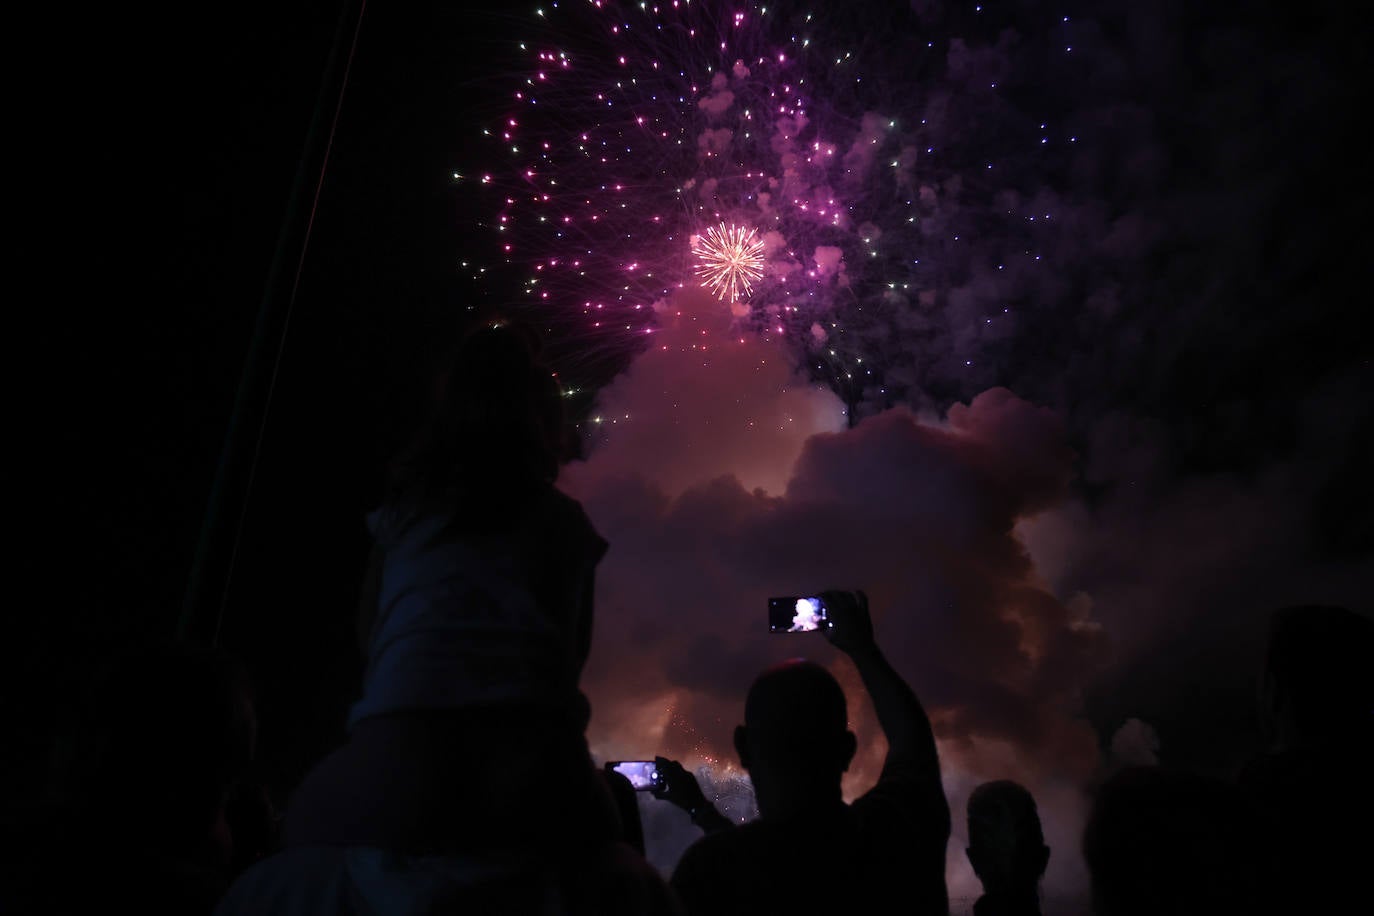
(910, 741)
(682, 789)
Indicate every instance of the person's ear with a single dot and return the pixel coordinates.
(848, 747)
(742, 746)
(973, 861)
(1042, 860)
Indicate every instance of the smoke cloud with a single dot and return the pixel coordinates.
(1146, 218)
(721, 478)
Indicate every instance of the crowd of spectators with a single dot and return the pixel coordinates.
(476, 622)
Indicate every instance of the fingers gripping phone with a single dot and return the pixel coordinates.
(642, 774)
(797, 614)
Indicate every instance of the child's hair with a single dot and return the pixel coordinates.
(496, 418)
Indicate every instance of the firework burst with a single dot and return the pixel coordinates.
(729, 260)
(847, 214)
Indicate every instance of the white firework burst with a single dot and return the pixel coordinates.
(729, 260)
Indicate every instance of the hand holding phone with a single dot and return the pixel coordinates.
(642, 774)
(850, 627)
(678, 786)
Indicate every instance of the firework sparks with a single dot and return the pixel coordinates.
(629, 127)
(729, 260)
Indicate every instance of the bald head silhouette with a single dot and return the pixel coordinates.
(810, 851)
(795, 740)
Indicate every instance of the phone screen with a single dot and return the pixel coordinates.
(795, 615)
(642, 774)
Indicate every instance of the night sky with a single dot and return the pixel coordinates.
(1094, 454)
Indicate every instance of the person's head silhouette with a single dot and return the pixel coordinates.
(1168, 842)
(1318, 685)
(166, 733)
(795, 742)
(1317, 702)
(496, 416)
(1006, 845)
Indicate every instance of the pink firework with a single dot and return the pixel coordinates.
(729, 260)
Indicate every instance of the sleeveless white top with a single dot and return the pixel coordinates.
(479, 619)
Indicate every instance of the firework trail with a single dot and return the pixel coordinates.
(630, 129)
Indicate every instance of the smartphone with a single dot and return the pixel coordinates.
(642, 774)
(796, 614)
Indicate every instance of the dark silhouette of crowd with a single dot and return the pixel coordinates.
(157, 798)
(475, 622)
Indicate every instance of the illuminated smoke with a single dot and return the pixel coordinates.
(983, 200)
(808, 616)
(726, 488)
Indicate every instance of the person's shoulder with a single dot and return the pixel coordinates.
(1294, 771)
(397, 517)
(562, 504)
(608, 877)
(569, 516)
(713, 869)
(722, 847)
(722, 842)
